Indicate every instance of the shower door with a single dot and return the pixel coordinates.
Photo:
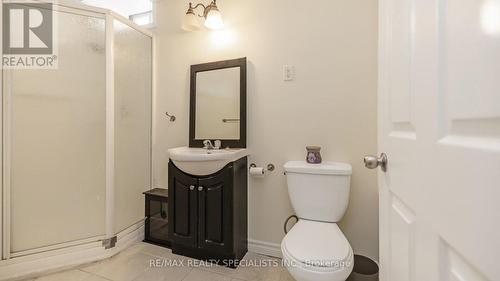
(55, 143)
(77, 139)
(132, 82)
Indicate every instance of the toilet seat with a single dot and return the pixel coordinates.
(317, 251)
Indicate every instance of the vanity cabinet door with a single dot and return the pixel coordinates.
(182, 193)
(215, 213)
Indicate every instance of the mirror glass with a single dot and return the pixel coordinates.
(218, 104)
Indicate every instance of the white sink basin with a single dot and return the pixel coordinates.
(202, 162)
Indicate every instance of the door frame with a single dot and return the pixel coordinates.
(3, 225)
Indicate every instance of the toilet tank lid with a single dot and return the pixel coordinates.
(325, 168)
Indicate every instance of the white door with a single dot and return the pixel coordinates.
(439, 123)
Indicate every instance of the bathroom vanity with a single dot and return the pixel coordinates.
(207, 181)
(209, 213)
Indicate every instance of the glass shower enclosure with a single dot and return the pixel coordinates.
(77, 139)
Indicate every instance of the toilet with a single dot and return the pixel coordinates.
(315, 249)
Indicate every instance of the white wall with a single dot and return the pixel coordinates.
(331, 103)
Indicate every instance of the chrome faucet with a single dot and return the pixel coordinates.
(207, 144)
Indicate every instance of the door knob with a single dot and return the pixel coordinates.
(372, 162)
(200, 188)
(191, 187)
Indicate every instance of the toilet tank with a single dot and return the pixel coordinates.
(319, 192)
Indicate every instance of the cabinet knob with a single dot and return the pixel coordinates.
(200, 188)
(191, 187)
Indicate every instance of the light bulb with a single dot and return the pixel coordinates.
(214, 19)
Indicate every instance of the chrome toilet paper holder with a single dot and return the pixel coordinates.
(270, 167)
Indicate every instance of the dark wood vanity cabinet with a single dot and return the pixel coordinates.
(208, 214)
(182, 212)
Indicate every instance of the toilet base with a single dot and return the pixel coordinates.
(302, 272)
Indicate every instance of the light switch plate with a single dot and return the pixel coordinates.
(288, 72)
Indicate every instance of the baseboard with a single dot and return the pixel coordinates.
(61, 259)
(264, 248)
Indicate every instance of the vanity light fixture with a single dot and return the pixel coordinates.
(212, 15)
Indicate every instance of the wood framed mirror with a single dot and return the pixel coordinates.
(218, 103)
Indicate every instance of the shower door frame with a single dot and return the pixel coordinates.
(5, 129)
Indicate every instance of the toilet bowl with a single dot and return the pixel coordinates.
(315, 249)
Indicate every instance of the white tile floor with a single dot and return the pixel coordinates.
(135, 264)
